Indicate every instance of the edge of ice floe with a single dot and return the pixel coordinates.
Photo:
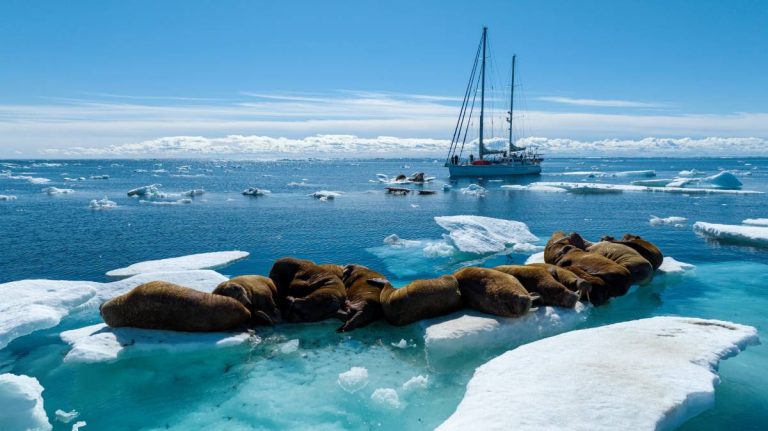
(574, 187)
(21, 398)
(211, 260)
(746, 234)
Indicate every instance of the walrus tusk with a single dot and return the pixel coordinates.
(377, 282)
(533, 309)
(534, 296)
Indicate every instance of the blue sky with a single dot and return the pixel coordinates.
(107, 73)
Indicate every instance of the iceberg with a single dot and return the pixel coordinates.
(483, 235)
(210, 260)
(469, 332)
(21, 398)
(749, 235)
(533, 188)
(416, 382)
(535, 258)
(645, 374)
(151, 191)
(66, 417)
(100, 343)
(751, 221)
(192, 193)
(690, 174)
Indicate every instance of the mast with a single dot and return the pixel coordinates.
(512, 105)
(482, 94)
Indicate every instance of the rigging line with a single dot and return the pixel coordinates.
(463, 110)
(466, 130)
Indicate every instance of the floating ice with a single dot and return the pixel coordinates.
(100, 343)
(354, 379)
(417, 382)
(535, 258)
(166, 203)
(396, 241)
(660, 182)
(99, 177)
(645, 374)
(21, 401)
(673, 220)
(57, 191)
(325, 195)
(671, 266)
(386, 397)
(66, 417)
(724, 179)
(7, 198)
(192, 193)
(210, 260)
(751, 235)
(438, 249)
(618, 188)
(102, 204)
(74, 179)
(290, 346)
(474, 190)
(78, 425)
(533, 188)
(29, 179)
(598, 174)
(690, 174)
(756, 221)
(481, 235)
(470, 332)
(253, 191)
(402, 344)
(151, 191)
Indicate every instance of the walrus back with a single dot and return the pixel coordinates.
(421, 299)
(493, 292)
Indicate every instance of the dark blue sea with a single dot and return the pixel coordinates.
(60, 237)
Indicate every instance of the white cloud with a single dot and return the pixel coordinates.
(601, 103)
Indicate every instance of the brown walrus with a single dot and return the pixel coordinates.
(307, 292)
(493, 292)
(567, 278)
(561, 252)
(257, 293)
(363, 305)
(539, 280)
(639, 269)
(420, 299)
(162, 305)
(648, 250)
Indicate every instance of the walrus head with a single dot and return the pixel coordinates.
(631, 237)
(608, 238)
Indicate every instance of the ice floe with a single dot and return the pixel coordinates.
(100, 343)
(386, 397)
(21, 404)
(151, 191)
(750, 235)
(533, 188)
(645, 374)
(474, 190)
(354, 379)
(7, 198)
(102, 204)
(210, 260)
(482, 235)
(27, 178)
(66, 417)
(691, 173)
(57, 191)
(755, 221)
(673, 220)
(672, 266)
(618, 188)
(78, 425)
(396, 241)
(192, 193)
(599, 174)
(324, 195)
(184, 201)
(253, 191)
(99, 177)
(468, 333)
(416, 382)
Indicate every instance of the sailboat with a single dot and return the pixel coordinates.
(512, 160)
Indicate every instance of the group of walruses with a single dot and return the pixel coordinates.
(299, 290)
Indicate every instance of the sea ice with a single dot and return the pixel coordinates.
(756, 221)
(671, 266)
(325, 195)
(354, 379)
(21, 404)
(751, 235)
(599, 174)
(166, 203)
(396, 241)
(210, 260)
(417, 382)
(474, 190)
(192, 193)
(402, 344)
(617, 188)
(673, 220)
(481, 235)
(151, 191)
(290, 346)
(690, 174)
(100, 343)
(466, 333)
(253, 191)
(533, 188)
(102, 204)
(66, 417)
(78, 425)
(645, 374)
(99, 177)
(386, 397)
(7, 198)
(57, 191)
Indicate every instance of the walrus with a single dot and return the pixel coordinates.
(567, 278)
(559, 251)
(363, 305)
(539, 280)
(257, 293)
(420, 299)
(162, 305)
(307, 292)
(648, 250)
(493, 292)
(639, 268)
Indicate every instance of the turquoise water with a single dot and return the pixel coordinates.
(262, 387)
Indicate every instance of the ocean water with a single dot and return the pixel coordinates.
(264, 386)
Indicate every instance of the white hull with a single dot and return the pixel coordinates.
(494, 170)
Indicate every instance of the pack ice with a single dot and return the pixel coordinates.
(645, 374)
(482, 235)
(745, 234)
(211, 260)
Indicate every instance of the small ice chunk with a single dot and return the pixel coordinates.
(102, 204)
(671, 266)
(290, 346)
(354, 379)
(78, 425)
(66, 417)
(99, 177)
(535, 258)
(211, 260)
(166, 203)
(660, 372)
(192, 193)
(752, 221)
(21, 403)
(57, 191)
(386, 397)
(150, 192)
(402, 344)
(586, 188)
(438, 249)
(656, 221)
(533, 188)
(417, 382)
(481, 235)
(7, 198)
(447, 187)
(253, 191)
(325, 195)
(474, 190)
(750, 235)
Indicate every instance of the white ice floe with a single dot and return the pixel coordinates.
(751, 235)
(166, 203)
(396, 241)
(721, 180)
(533, 188)
(57, 191)
(100, 343)
(386, 397)
(21, 404)
(658, 182)
(210, 260)
(438, 249)
(535, 258)
(599, 174)
(641, 375)
(290, 346)
(66, 417)
(690, 174)
(482, 235)
(618, 188)
(68, 179)
(102, 204)
(325, 195)
(27, 178)
(467, 333)
(474, 190)
(756, 221)
(151, 191)
(402, 344)
(672, 266)
(78, 425)
(417, 382)
(192, 193)
(673, 220)
(354, 379)
(253, 191)
(7, 198)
